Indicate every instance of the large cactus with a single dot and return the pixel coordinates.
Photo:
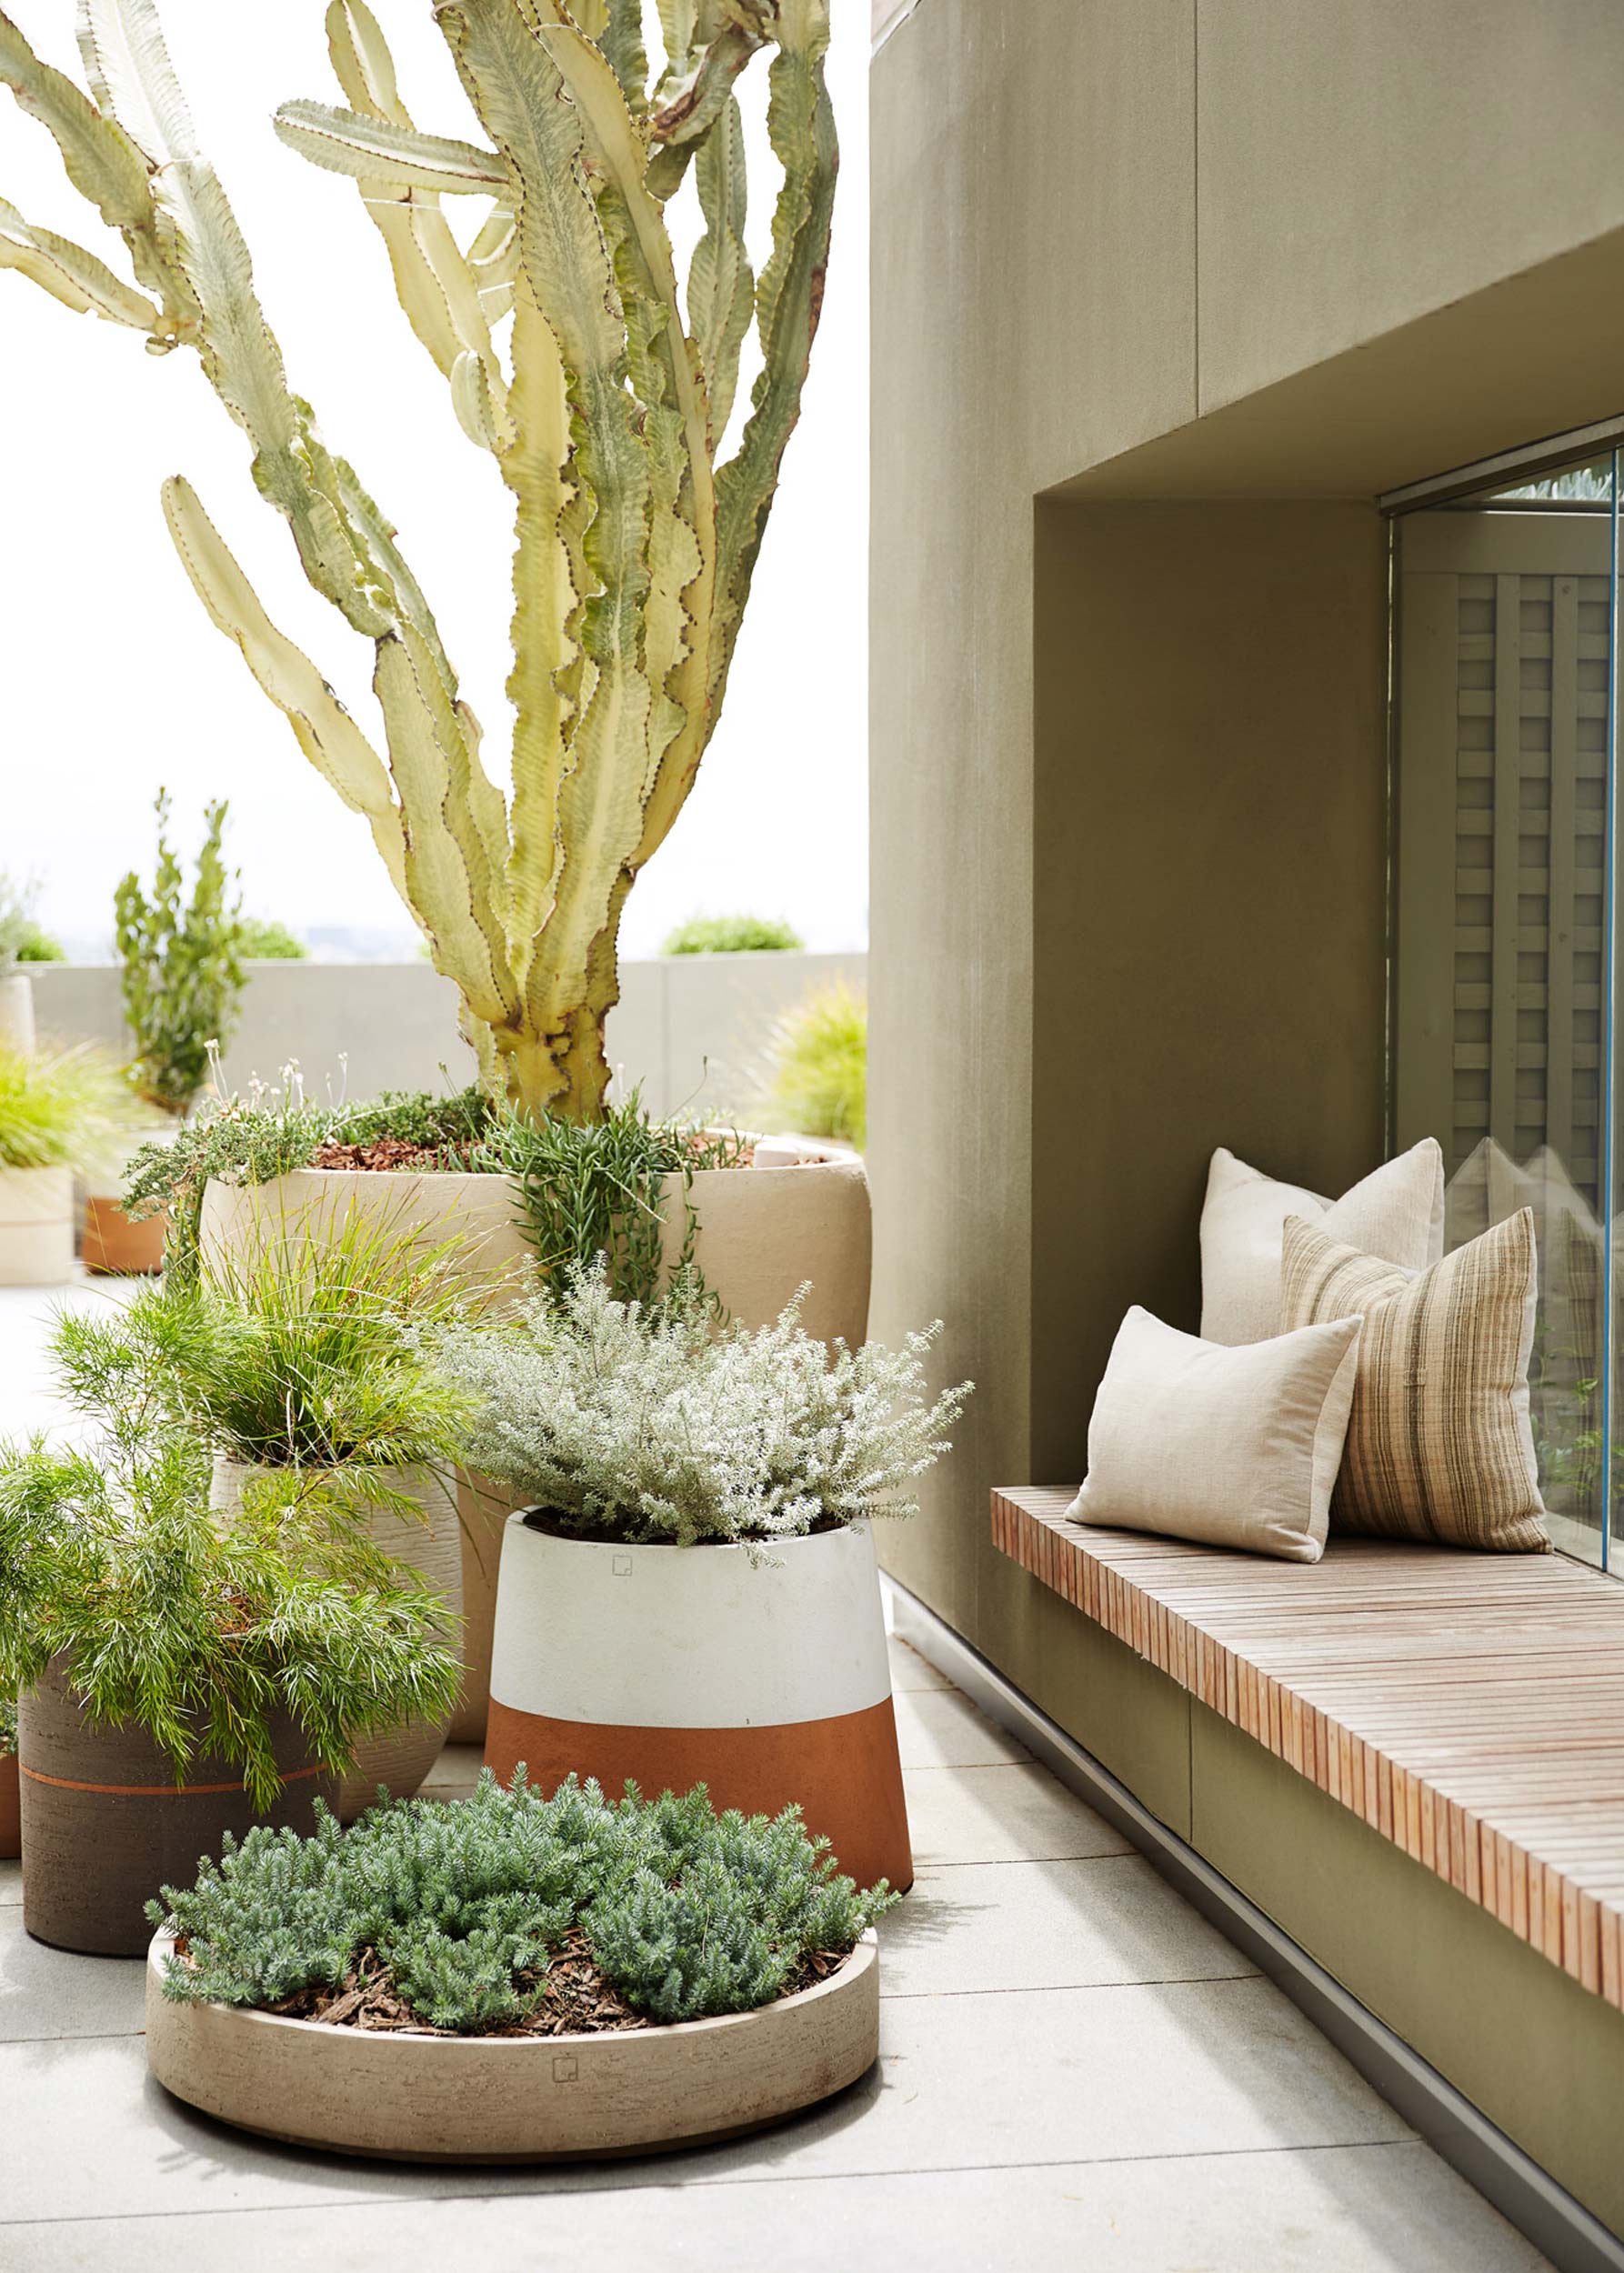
(604, 409)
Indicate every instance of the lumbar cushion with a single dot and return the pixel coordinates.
(1235, 1448)
(1395, 1212)
(1439, 1447)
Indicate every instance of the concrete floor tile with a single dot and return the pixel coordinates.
(46, 1992)
(909, 1670)
(962, 2083)
(940, 1728)
(1362, 2209)
(455, 1774)
(1011, 1812)
(1054, 1925)
(11, 1883)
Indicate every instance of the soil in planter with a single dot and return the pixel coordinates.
(386, 1154)
(552, 1526)
(575, 1999)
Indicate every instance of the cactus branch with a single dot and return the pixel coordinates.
(633, 551)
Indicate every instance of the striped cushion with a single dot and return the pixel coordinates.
(1439, 1446)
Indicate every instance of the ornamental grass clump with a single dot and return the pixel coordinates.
(304, 1358)
(65, 1109)
(618, 1423)
(482, 1915)
(200, 1632)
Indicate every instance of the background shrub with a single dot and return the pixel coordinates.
(733, 934)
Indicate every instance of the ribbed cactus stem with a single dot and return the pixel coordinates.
(606, 413)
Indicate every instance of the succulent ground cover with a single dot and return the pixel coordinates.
(512, 1914)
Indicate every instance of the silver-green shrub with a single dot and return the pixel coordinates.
(686, 1913)
(625, 1424)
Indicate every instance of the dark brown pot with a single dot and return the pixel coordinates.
(11, 1820)
(105, 1827)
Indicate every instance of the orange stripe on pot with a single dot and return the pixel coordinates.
(844, 1771)
(159, 1791)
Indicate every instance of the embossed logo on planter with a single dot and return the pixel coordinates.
(622, 1566)
(565, 2068)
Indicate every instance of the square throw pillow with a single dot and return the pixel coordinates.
(1395, 1212)
(1440, 1446)
(1235, 1447)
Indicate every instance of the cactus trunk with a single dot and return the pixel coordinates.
(607, 411)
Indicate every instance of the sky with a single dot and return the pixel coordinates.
(113, 682)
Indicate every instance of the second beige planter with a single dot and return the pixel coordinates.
(763, 1233)
(398, 1758)
(36, 1226)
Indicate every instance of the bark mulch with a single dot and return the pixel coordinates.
(392, 1152)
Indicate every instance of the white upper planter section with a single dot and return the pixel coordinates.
(689, 1637)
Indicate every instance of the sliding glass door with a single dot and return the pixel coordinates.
(1505, 612)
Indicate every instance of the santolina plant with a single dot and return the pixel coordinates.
(622, 1425)
(686, 1913)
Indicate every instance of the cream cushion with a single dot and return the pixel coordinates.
(1395, 1212)
(1235, 1447)
(1439, 1443)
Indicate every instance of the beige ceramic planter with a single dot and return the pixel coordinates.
(399, 1759)
(428, 2098)
(763, 1232)
(17, 1013)
(36, 1226)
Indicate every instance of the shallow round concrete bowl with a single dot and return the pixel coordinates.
(514, 2099)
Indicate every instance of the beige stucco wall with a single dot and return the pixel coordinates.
(1153, 258)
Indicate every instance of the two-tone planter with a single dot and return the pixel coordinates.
(400, 1757)
(104, 1825)
(17, 1013)
(801, 1213)
(766, 1680)
(413, 2097)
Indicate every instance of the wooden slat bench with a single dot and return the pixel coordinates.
(1468, 1708)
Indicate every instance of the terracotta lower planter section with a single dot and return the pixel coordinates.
(763, 1232)
(398, 1758)
(105, 1827)
(115, 1244)
(430, 2098)
(674, 1666)
(11, 1817)
(36, 1226)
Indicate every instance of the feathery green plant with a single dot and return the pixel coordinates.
(305, 1357)
(626, 1425)
(817, 1067)
(199, 1632)
(182, 977)
(734, 935)
(686, 1913)
(606, 413)
(65, 1109)
(8, 1725)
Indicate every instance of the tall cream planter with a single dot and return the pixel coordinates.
(763, 1232)
(16, 1012)
(36, 1226)
(398, 1758)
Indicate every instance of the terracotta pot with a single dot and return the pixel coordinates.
(11, 1816)
(105, 1827)
(114, 1243)
(676, 1666)
(763, 1231)
(17, 1013)
(428, 2098)
(36, 1226)
(398, 1758)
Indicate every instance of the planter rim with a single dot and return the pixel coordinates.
(862, 1960)
(826, 1539)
